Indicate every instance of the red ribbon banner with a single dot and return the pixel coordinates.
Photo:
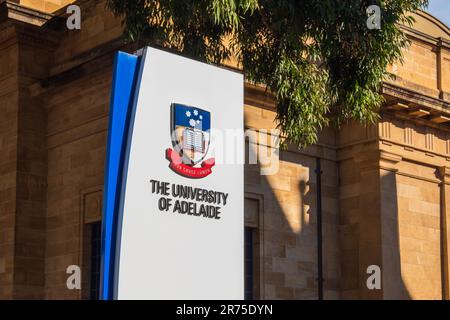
(177, 165)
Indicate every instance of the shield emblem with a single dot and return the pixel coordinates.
(190, 132)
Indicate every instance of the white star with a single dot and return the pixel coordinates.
(198, 121)
(192, 122)
(195, 112)
(201, 117)
(188, 113)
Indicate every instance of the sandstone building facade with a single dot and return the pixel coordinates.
(384, 189)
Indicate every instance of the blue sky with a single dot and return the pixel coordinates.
(441, 10)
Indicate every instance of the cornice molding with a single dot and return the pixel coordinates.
(25, 26)
(11, 10)
(416, 97)
(411, 104)
(259, 96)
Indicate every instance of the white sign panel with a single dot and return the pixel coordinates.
(180, 233)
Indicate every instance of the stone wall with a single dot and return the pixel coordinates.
(385, 187)
(287, 211)
(76, 158)
(419, 230)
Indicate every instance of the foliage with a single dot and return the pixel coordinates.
(318, 57)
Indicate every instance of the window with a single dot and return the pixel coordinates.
(248, 263)
(96, 240)
(90, 231)
(253, 247)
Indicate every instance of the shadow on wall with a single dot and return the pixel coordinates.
(288, 231)
(351, 240)
(392, 281)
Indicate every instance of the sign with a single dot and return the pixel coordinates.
(173, 216)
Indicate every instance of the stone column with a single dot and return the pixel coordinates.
(378, 224)
(8, 158)
(369, 230)
(35, 51)
(392, 284)
(26, 52)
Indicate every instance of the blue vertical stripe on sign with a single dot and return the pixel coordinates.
(123, 87)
